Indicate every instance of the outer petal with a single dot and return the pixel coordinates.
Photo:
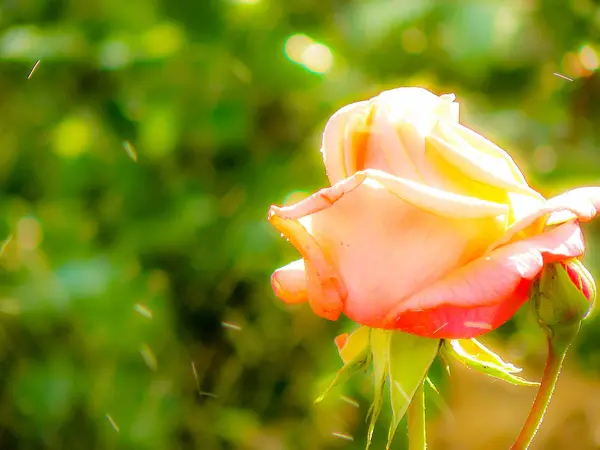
(455, 322)
(372, 253)
(326, 291)
(289, 283)
(481, 295)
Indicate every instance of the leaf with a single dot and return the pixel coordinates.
(409, 360)
(380, 345)
(476, 356)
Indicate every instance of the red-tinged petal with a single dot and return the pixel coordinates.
(577, 279)
(455, 322)
(324, 285)
(490, 281)
(289, 283)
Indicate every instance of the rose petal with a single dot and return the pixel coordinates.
(456, 322)
(385, 141)
(372, 252)
(490, 169)
(582, 203)
(289, 282)
(332, 147)
(488, 281)
(323, 280)
(419, 107)
(356, 136)
(426, 198)
(506, 165)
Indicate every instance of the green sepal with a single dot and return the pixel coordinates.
(476, 356)
(380, 354)
(356, 345)
(360, 359)
(409, 360)
(399, 359)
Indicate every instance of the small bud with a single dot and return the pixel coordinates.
(564, 295)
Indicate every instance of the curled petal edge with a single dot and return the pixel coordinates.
(581, 204)
(429, 199)
(326, 291)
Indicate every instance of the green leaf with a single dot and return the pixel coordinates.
(380, 345)
(409, 360)
(475, 355)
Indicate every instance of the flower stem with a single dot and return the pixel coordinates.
(556, 357)
(417, 434)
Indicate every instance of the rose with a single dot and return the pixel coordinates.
(427, 227)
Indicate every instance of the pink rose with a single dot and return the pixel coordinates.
(428, 227)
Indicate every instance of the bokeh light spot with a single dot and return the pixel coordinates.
(72, 136)
(544, 159)
(29, 233)
(114, 54)
(414, 41)
(163, 40)
(588, 57)
(314, 56)
(295, 46)
(317, 58)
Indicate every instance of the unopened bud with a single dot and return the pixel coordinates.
(564, 295)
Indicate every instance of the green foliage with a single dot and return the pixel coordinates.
(137, 164)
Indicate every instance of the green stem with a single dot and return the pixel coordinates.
(556, 357)
(417, 434)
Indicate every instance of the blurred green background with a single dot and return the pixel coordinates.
(137, 164)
